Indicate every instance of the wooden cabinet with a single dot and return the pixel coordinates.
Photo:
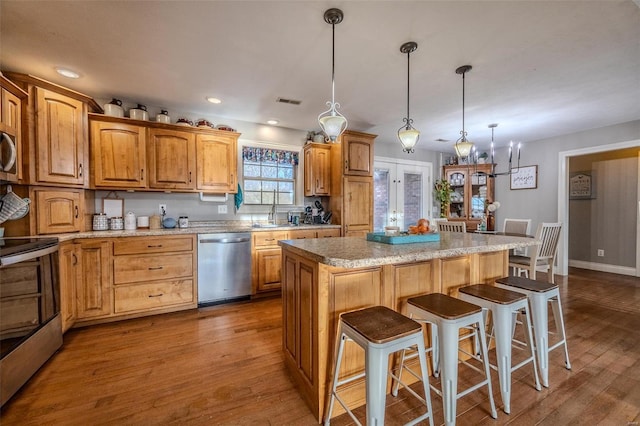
(298, 234)
(56, 147)
(154, 273)
(93, 291)
(217, 162)
(357, 153)
(118, 154)
(472, 189)
(11, 97)
(317, 169)
(171, 159)
(351, 199)
(58, 210)
(266, 260)
(69, 276)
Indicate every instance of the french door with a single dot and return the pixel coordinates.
(401, 192)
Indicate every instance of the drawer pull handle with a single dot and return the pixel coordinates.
(155, 268)
(155, 246)
(156, 295)
(269, 239)
(77, 211)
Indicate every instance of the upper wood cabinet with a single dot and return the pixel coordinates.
(357, 153)
(118, 154)
(56, 133)
(357, 219)
(58, 210)
(11, 98)
(317, 169)
(217, 162)
(171, 158)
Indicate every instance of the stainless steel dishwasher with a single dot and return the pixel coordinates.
(224, 267)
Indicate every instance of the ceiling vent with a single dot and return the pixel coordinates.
(288, 101)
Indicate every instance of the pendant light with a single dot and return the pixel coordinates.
(463, 145)
(331, 121)
(407, 134)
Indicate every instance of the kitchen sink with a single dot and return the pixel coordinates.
(272, 225)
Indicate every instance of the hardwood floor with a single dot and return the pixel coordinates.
(223, 365)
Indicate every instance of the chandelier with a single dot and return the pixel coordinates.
(331, 121)
(511, 169)
(407, 134)
(463, 146)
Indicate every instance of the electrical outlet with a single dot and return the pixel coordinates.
(162, 208)
(600, 253)
(222, 209)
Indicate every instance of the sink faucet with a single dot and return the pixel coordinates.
(272, 213)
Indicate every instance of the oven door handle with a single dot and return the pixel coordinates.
(30, 255)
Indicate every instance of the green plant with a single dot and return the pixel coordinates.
(443, 191)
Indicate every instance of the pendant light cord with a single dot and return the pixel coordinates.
(463, 132)
(333, 63)
(408, 76)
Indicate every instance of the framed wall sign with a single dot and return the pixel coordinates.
(581, 186)
(525, 177)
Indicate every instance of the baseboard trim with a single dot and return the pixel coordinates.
(603, 267)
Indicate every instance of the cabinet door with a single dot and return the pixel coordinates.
(69, 277)
(357, 153)
(317, 170)
(10, 123)
(60, 138)
(216, 158)
(94, 287)
(472, 189)
(171, 159)
(58, 211)
(269, 265)
(118, 155)
(358, 206)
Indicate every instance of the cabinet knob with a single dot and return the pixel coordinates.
(77, 211)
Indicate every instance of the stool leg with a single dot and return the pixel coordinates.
(338, 360)
(539, 312)
(485, 359)
(557, 316)
(448, 344)
(435, 351)
(502, 327)
(425, 378)
(376, 365)
(529, 337)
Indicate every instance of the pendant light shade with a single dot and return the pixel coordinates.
(331, 121)
(463, 145)
(407, 134)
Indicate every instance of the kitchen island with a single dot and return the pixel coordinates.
(323, 278)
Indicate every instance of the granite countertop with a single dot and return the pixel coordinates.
(214, 227)
(357, 252)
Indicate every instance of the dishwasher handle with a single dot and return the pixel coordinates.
(225, 240)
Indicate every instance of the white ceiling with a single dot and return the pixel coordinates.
(540, 68)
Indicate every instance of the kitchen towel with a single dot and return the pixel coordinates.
(238, 198)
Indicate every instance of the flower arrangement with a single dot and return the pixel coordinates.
(492, 207)
(490, 216)
(442, 189)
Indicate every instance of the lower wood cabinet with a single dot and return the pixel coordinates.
(69, 277)
(93, 291)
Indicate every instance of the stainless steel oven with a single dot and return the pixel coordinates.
(30, 324)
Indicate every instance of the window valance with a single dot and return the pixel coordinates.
(255, 154)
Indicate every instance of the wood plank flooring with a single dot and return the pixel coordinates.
(223, 366)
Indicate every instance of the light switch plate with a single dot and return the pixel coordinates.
(222, 209)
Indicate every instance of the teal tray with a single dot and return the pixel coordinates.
(379, 237)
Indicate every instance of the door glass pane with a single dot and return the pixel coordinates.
(412, 198)
(380, 199)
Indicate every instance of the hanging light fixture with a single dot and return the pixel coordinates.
(511, 169)
(463, 145)
(407, 134)
(331, 121)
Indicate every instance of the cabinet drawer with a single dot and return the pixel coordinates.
(152, 245)
(328, 233)
(302, 234)
(269, 238)
(138, 268)
(137, 297)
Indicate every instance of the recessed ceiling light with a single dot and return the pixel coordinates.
(213, 100)
(272, 122)
(67, 73)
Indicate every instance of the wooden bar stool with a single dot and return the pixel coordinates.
(540, 294)
(504, 305)
(380, 331)
(449, 316)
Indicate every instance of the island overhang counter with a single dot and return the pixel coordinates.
(321, 278)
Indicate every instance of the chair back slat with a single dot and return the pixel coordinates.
(549, 235)
(452, 226)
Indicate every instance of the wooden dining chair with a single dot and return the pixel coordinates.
(452, 226)
(517, 227)
(544, 257)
